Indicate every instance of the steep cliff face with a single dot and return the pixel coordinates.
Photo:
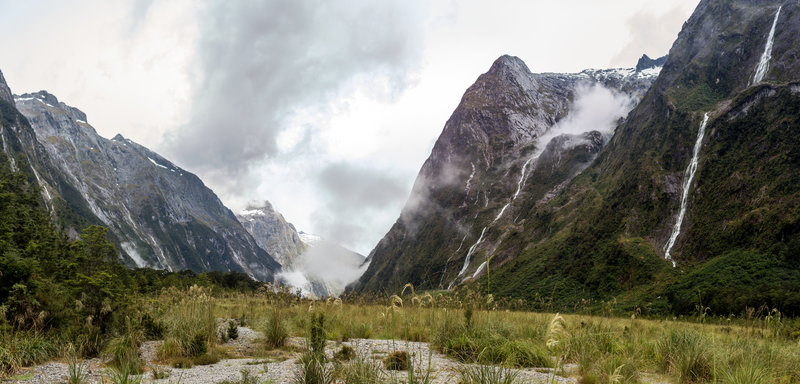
(5, 91)
(26, 154)
(491, 163)
(161, 215)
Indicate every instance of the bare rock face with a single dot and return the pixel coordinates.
(273, 233)
(5, 92)
(161, 215)
(507, 145)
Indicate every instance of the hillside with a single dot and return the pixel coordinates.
(605, 233)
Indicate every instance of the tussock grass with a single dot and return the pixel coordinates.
(21, 349)
(758, 346)
(486, 374)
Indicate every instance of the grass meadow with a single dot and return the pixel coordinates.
(759, 346)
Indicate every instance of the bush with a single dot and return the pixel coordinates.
(206, 359)
(397, 361)
(275, 331)
(313, 370)
(124, 353)
(233, 330)
(198, 345)
(153, 330)
(345, 354)
(318, 338)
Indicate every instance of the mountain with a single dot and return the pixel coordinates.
(27, 155)
(316, 267)
(272, 233)
(513, 142)
(160, 215)
(703, 174)
(645, 62)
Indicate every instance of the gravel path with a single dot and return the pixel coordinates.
(277, 370)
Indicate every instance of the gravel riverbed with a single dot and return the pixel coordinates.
(281, 369)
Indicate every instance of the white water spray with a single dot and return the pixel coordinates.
(763, 63)
(687, 183)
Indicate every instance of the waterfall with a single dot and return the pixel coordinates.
(470, 251)
(687, 183)
(763, 63)
(519, 187)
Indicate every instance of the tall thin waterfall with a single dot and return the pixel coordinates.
(763, 64)
(474, 247)
(687, 183)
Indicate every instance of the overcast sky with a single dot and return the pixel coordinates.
(325, 108)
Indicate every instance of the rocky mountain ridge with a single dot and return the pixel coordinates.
(161, 215)
(702, 172)
(466, 199)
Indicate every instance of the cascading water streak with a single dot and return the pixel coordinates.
(763, 63)
(471, 251)
(499, 215)
(519, 187)
(687, 183)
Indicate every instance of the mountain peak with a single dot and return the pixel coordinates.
(5, 91)
(645, 62)
(509, 63)
(51, 100)
(46, 97)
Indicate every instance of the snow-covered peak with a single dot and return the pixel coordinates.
(252, 212)
(620, 73)
(309, 239)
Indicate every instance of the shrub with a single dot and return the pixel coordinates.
(275, 331)
(397, 361)
(313, 370)
(318, 338)
(153, 330)
(345, 354)
(233, 330)
(198, 345)
(206, 359)
(124, 353)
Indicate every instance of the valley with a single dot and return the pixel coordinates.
(620, 225)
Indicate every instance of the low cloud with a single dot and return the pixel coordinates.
(356, 199)
(596, 108)
(258, 63)
(651, 34)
